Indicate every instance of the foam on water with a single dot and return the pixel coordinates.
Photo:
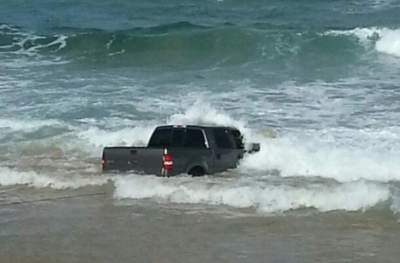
(340, 154)
(202, 112)
(25, 48)
(264, 197)
(138, 134)
(363, 161)
(33, 179)
(389, 42)
(96, 138)
(385, 40)
(28, 43)
(395, 206)
(294, 157)
(27, 125)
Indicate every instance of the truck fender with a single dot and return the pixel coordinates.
(203, 166)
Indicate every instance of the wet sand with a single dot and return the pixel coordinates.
(91, 226)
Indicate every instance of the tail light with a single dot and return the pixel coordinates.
(168, 162)
(103, 163)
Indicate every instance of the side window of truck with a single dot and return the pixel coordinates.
(222, 139)
(238, 138)
(161, 138)
(195, 139)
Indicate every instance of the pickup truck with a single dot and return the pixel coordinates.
(172, 150)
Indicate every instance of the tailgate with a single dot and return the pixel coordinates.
(140, 159)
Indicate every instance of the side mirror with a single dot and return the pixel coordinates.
(253, 147)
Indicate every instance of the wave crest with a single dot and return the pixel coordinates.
(384, 40)
(263, 197)
(33, 179)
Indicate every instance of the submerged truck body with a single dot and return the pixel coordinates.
(172, 150)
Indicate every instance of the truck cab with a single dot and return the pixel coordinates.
(175, 149)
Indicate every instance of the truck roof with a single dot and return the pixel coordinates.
(195, 126)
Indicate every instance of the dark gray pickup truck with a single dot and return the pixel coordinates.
(172, 150)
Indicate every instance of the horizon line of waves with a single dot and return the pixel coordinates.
(261, 196)
(386, 39)
(223, 44)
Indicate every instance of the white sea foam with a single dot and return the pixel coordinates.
(202, 113)
(389, 42)
(139, 134)
(264, 197)
(130, 136)
(297, 157)
(28, 45)
(395, 205)
(5, 26)
(23, 62)
(59, 42)
(385, 40)
(342, 155)
(22, 38)
(30, 178)
(27, 125)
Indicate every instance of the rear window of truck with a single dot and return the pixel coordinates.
(177, 137)
(160, 138)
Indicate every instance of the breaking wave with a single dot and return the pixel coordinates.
(355, 176)
(339, 154)
(264, 197)
(192, 45)
(299, 156)
(38, 180)
(17, 41)
(27, 125)
(384, 40)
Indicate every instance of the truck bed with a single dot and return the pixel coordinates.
(140, 159)
(150, 160)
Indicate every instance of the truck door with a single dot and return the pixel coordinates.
(226, 152)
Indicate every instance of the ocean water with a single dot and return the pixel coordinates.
(317, 83)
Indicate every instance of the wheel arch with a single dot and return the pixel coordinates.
(198, 167)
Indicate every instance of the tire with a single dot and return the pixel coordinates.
(196, 171)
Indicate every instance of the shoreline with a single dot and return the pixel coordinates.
(98, 228)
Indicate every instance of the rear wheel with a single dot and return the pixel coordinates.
(197, 171)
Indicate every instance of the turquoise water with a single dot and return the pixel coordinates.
(321, 76)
